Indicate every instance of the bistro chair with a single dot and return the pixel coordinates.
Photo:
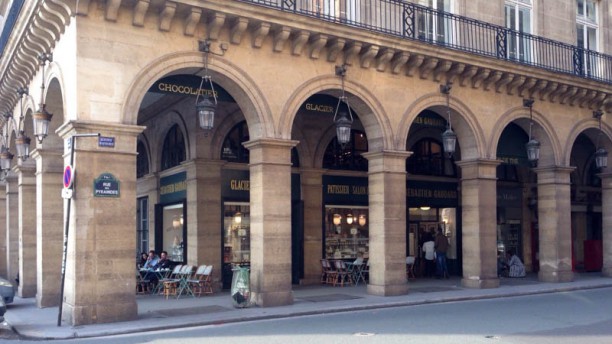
(355, 269)
(328, 273)
(183, 286)
(170, 283)
(201, 282)
(142, 284)
(342, 274)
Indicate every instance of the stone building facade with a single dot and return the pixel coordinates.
(270, 186)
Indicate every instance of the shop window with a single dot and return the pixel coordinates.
(346, 232)
(173, 236)
(233, 150)
(173, 151)
(428, 158)
(142, 160)
(236, 238)
(142, 226)
(349, 157)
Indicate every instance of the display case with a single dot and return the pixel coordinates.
(236, 238)
(346, 232)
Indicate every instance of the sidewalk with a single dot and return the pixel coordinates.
(156, 313)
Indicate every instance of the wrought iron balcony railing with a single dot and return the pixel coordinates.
(415, 22)
(9, 22)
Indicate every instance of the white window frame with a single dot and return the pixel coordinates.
(591, 67)
(428, 28)
(523, 50)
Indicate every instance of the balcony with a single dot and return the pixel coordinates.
(414, 22)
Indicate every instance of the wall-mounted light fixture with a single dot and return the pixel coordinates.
(343, 119)
(337, 219)
(41, 118)
(206, 108)
(601, 155)
(449, 138)
(533, 145)
(362, 220)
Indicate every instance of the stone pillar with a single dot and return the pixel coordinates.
(479, 223)
(270, 203)
(49, 225)
(387, 201)
(204, 235)
(100, 273)
(27, 229)
(312, 194)
(3, 241)
(606, 208)
(12, 227)
(554, 214)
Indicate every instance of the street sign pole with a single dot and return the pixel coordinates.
(67, 222)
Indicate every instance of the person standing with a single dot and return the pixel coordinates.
(441, 246)
(428, 249)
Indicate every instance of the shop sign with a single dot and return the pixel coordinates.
(430, 119)
(509, 197)
(345, 190)
(106, 185)
(321, 104)
(236, 185)
(431, 194)
(189, 85)
(173, 188)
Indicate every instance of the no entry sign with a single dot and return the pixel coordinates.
(68, 176)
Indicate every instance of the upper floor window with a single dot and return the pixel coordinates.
(173, 151)
(435, 27)
(349, 157)
(586, 24)
(517, 15)
(429, 159)
(345, 10)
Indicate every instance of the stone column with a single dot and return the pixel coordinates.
(3, 241)
(204, 235)
(606, 208)
(479, 223)
(312, 194)
(100, 273)
(27, 229)
(387, 202)
(270, 203)
(554, 214)
(49, 225)
(12, 227)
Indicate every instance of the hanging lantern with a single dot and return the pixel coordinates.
(601, 158)
(5, 159)
(22, 145)
(343, 128)
(206, 113)
(449, 141)
(533, 151)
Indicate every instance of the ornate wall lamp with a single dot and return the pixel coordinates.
(449, 138)
(533, 145)
(206, 108)
(342, 119)
(601, 155)
(41, 118)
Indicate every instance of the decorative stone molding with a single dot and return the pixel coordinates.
(140, 10)
(300, 39)
(398, 61)
(191, 21)
(382, 60)
(317, 43)
(368, 55)
(238, 28)
(336, 46)
(260, 33)
(280, 37)
(493, 78)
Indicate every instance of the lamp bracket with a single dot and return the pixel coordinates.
(446, 88)
(341, 70)
(528, 103)
(597, 114)
(205, 47)
(45, 57)
(21, 91)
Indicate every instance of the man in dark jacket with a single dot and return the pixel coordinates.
(441, 245)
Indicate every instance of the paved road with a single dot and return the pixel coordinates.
(572, 317)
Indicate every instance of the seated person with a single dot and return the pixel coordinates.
(515, 266)
(162, 263)
(151, 261)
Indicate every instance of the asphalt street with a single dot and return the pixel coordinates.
(566, 317)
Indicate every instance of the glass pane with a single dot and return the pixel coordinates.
(172, 236)
(591, 12)
(591, 38)
(510, 17)
(580, 35)
(580, 8)
(236, 233)
(346, 232)
(525, 20)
